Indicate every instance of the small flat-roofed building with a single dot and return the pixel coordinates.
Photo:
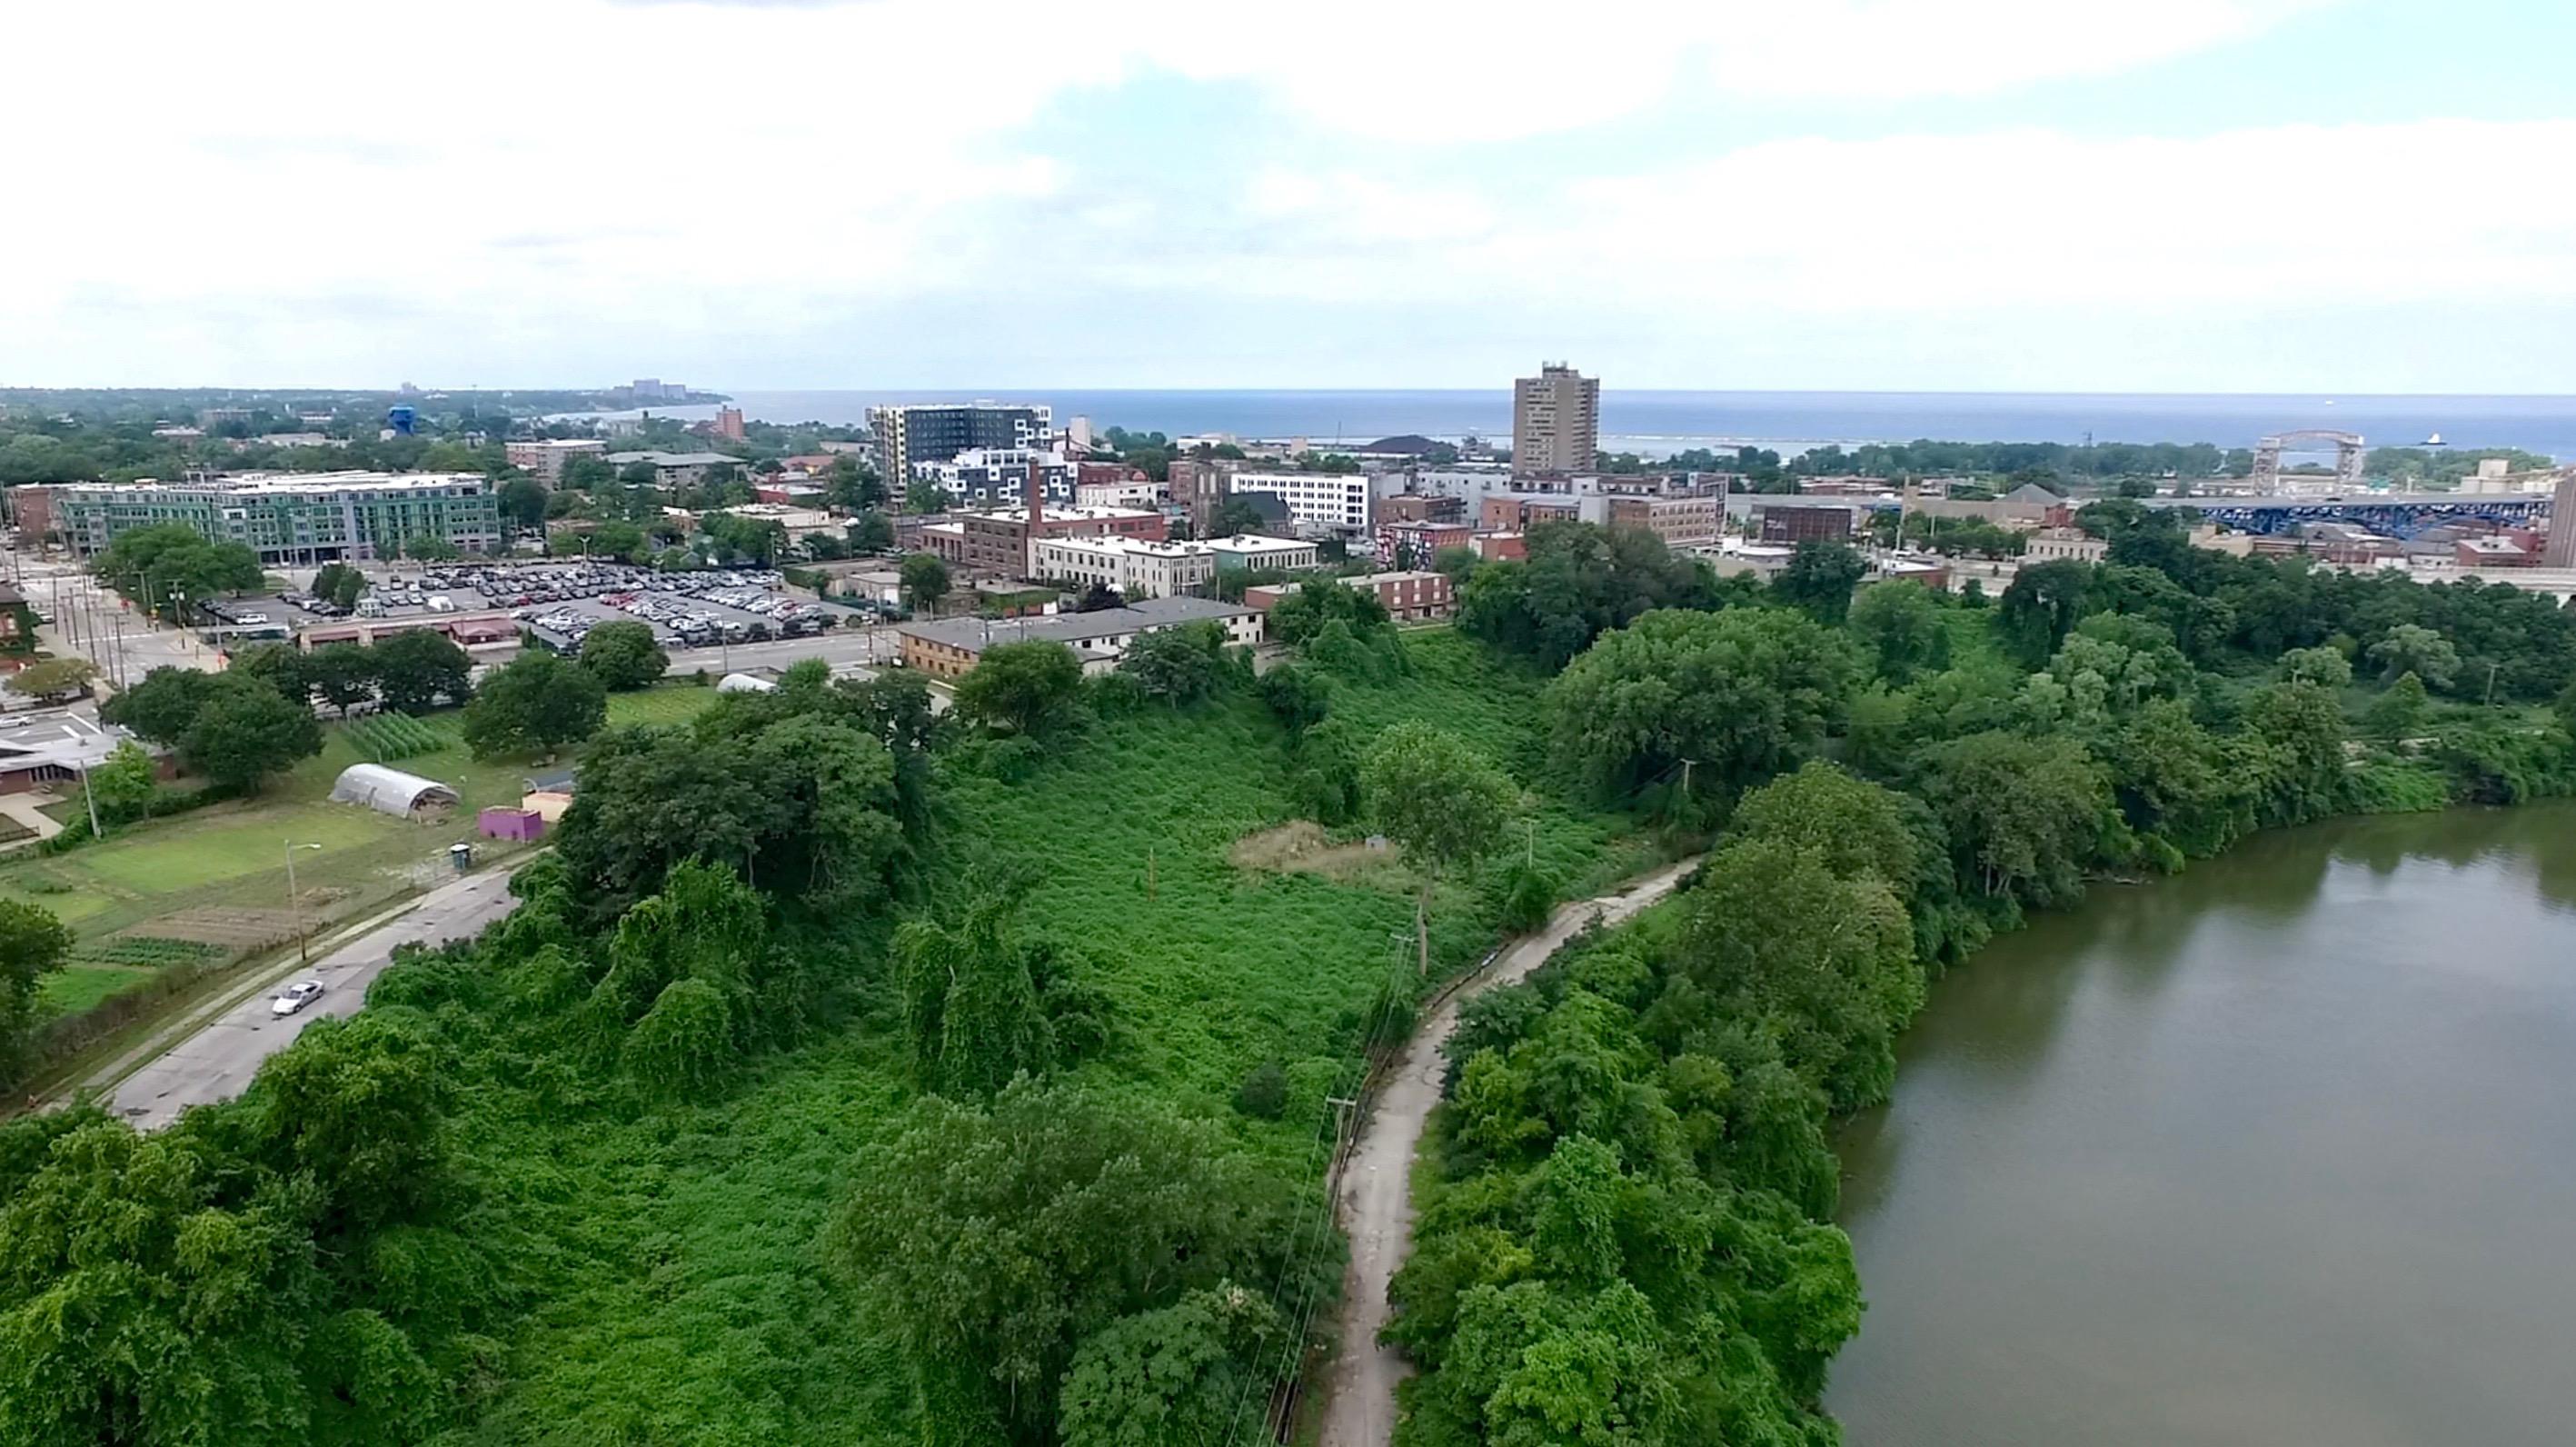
(1257, 553)
(45, 747)
(949, 647)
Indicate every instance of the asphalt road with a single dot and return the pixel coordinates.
(217, 1061)
(1376, 1204)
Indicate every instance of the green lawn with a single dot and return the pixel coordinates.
(72, 990)
(667, 703)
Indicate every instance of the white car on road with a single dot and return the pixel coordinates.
(295, 997)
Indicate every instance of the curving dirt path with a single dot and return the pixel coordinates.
(1376, 1204)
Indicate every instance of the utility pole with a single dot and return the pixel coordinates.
(295, 902)
(94, 830)
(2491, 675)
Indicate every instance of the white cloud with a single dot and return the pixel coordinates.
(1512, 68)
(520, 189)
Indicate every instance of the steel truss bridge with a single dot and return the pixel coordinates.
(2390, 514)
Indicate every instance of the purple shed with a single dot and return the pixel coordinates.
(510, 824)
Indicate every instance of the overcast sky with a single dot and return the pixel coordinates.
(2179, 195)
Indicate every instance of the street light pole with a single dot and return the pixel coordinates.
(295, 901)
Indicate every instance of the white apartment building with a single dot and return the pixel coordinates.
(1332, 500)
(994, 475)
(1135, 567)
(544, 458)
(1250, 551)
(1143, 492)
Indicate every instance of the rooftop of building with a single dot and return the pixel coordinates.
(58, 737)
(1133, 547)
(673, 459)
(974, 635)
(1063, 512)
(254, 483)
(1257, 543)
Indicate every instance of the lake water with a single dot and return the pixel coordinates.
(1656, 423)
(2278, 1152)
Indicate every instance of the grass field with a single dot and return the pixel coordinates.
(232, 855)
(667, 703)
(70, 991)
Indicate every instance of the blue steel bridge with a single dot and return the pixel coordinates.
(2390, 514)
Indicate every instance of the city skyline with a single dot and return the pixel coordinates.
(2222, 195)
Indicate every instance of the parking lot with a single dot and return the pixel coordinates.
(560, 602)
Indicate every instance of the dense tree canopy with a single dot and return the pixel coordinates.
(624, 655)
(1737, 695)
(536, 704)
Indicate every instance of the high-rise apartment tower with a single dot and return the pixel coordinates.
(1556, 420)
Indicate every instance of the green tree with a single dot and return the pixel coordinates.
(623, 654)
(2297, 756)
(53, 678)
(244, 731)
(33, 944)
(1015, 1233)
(163, 705)
(871, 532)
(924, 582)
(620, 540)
(1440, 801)
(1820, 578)
(1855, 827)
(971, 1006)
(339, 585)
(417, 667)
(137, 1307)
(1033, 689)
(1190, 1373)
(2400, 713)
(1736, 696)
(1900, 624)
(123, 783)
(2324, 667)
(523, 505)
(343, 673)
(1180, 665)
(535, 705)
(2042, 606)
(2024, 816)
(1827, 961)
(1298, 696)
(154, 564)
(2412, 648)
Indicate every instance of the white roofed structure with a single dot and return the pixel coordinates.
(391, 791)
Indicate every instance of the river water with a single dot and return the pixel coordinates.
(2281, 1151)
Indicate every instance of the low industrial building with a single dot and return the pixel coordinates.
(950, 647)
